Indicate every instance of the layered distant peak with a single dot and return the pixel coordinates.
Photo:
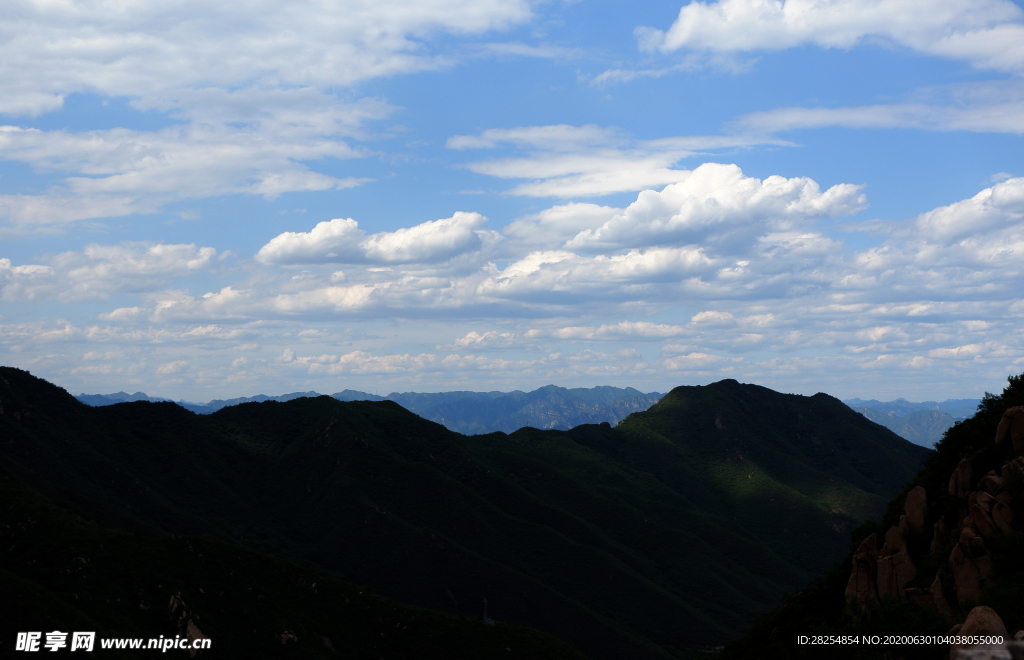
(548, 407)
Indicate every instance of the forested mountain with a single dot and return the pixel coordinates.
(658, 538)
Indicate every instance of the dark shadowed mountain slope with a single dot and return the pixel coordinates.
(667, 534)
(64, 572)
(956, 531)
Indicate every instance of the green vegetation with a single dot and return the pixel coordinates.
(821, 608)
(659, 538)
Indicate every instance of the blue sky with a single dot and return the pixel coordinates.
(205, 201)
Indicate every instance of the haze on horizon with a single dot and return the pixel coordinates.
(210, 201)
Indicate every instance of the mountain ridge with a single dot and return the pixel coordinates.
(462, 411)
(650, 539)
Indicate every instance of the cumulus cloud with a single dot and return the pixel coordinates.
(560, 276)
(341, 241)
(931, 293)
(557, 224)
(987, 33)
(717, 205)
(720, 235)
(588, 161)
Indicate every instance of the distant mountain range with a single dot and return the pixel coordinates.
(661, 537)
(559, 408)
(548, 407)
(922, 423)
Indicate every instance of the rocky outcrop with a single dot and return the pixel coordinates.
(966, 574)
(938, 535)
(193, 633)
(985, 513)
(960, 480)
(863, 580)
(983, 622)
(939, 598)
(980, 504)
(1013, 477)
(186, 626)
(931, 598)
(991, 483)
(1011, 427)
(916, 508)
(1002, 516)
(895, 568)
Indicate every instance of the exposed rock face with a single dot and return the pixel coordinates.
(895, 538)
(1011, 427)
(987, 513)
(980, 504)
(1013, 472)
(895, 568)
(966, 575)
(939, 598)
(1002, 516)
(972, 541)
(960, 480)
(931, 598)
(938, 534)
(193, 633)
(862, 585)
(982, 621)
(920, 596)
(916, 508)
(991, 483)
(185, 623)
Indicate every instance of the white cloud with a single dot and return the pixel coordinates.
(254, 88)
(589, 161)
(557, 224)
(120, 172)
(623, 329)
(488, 339)
(995, 106)
(341, 241)
(157, 53)
(100, 270)
(563, 276)
(994, 209)
(937, 291)
(987, 33)
(175, 367)
(716, 205)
